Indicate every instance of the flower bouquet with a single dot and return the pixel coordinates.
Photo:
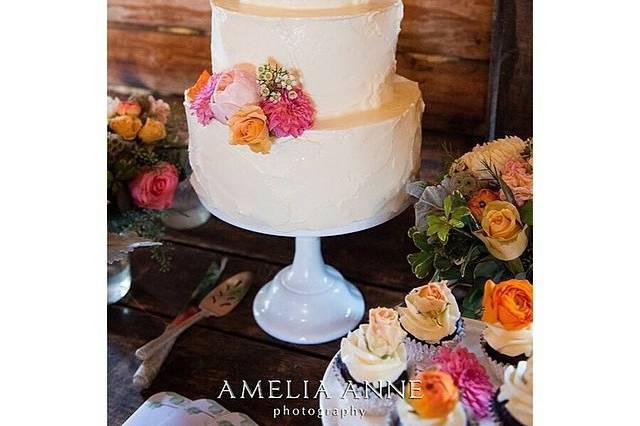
(476, 223)
(146, 159)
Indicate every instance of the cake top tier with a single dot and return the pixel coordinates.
(304, 4)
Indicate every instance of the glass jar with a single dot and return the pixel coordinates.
(118, 280)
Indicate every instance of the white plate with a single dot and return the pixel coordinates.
(471, 341)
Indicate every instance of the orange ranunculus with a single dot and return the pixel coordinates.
(131, 108)
(479, 201)
(249, 127)
(509, 303)
(126, 126)
(193, 91)
(434, 396)
(152, 131)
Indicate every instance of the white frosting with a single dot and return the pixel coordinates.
(408, 417)
(345, 62)
(425, 327)
(365, 366)
(517, 390)
(304, 4)
(509, 342)
(343, 170)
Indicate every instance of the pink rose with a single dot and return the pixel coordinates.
(234, 89)
(154, 188)
(517, 176)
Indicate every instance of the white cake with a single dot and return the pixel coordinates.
(364, 145)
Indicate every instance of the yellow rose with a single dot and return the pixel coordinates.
(384, 333)
(502, 231)
(126, 126)
(152, 131)
(249, 127)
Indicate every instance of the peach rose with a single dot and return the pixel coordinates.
(126, 126)
(517, 176)
(509, 303)
(384, 333)
(131, 108)
(502, 231)
(152, 131)
(430, 298)
(435, 395)
(249, 127)
(154, 188)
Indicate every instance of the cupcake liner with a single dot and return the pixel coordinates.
(373, 405)
(499, 362)
(499, 413)
(419, 352)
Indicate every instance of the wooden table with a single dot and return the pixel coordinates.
(234, 347)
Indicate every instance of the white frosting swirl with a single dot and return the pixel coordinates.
(408, 417)
(517, 390)
(365, 366)
(425, 327)
(509, 342)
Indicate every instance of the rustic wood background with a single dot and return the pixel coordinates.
(445, 45)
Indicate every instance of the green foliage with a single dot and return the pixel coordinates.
(441, 225)
(526, 213)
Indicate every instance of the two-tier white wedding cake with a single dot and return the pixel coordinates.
(303, 124)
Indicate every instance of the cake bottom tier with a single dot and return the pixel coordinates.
(344, 170)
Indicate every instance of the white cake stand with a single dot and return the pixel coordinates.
(308, 302)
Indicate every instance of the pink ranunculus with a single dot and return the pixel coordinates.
(201, 104)
(517, 176)
(159, 109)
(469, 376)
(154, 188)
(291, 115)
(234, 89)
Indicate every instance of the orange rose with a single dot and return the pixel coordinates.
(126, 126)
(131, 108)
(152, 131)
(197, 87)
(509, 303)
(479, 201)
(435, 396)
(249, 127)
(502, 231)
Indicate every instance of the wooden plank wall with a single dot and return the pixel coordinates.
(445, 45)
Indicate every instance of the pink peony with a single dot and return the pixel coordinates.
(234, 89)
(517, 176)
(290, 115)
(469, 376)
(201, 104)
(154, 188)
(159, 109)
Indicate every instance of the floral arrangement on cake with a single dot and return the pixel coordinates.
(146, 159)
(476, 223)
(258, 104)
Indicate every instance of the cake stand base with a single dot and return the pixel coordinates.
(308, 302)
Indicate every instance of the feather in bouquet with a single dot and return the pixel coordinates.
(476, 223)
(146, 159)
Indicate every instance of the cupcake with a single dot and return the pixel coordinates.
(373, 361)
(431, 318)
(431, 399)
(508, 312)
(513, 402)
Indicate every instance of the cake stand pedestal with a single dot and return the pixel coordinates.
(308, 302)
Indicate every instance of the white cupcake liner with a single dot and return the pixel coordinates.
(420, 353)
(498, 367)
(373, 405)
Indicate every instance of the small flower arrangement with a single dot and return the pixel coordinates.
(476, 223)
(146, 159)
(258, 104)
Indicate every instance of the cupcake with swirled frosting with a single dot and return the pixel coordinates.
(372, 361)
(431, 318)
(431, 399)
(508, 312)
(513, 402)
